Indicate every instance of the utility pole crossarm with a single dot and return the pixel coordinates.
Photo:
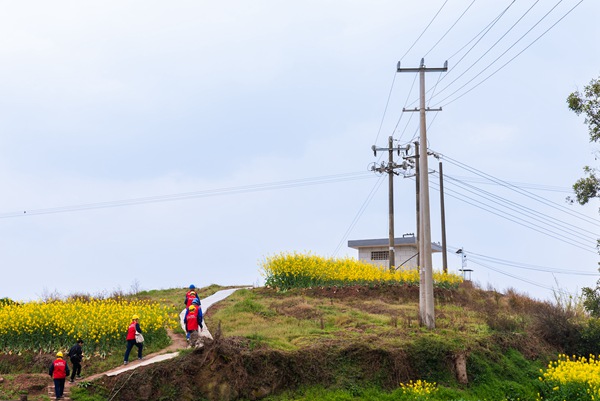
(404, 109)
(423, 68)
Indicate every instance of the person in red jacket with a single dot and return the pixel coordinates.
(59, 370)
(190, 296)
(193, 323)
(134, 327)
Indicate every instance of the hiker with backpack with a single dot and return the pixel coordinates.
(76, 356)
(133, 338)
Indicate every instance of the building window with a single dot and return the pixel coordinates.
(380, 255)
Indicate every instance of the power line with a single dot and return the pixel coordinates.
(515, 219)
(522, 185)
(526, 266)
(424, 30)
(192, 195)
(386, 107)
(449, 29)
(505, 64)
(534, 283)
(521, 191)
(494, 45)
(528, 212)
(358, 215)
(477, 37)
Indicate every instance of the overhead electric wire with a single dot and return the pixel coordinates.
(191, 195)
(386, 107)
(522, 185)
(521, 191)
(361, 210)
(481, 35)
(424, 30)
(492, 46)
(505, 64)
(514, 219)
(526, 211)
(549, 270)
(449, 29)
(485, 29)
(402, 114)
(526, 266)
(521, 278)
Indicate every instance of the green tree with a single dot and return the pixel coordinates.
(588, 104)
(588, 187)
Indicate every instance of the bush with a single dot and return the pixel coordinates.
(590, 338)
(558, 327)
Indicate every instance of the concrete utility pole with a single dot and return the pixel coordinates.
(425, 257)
(389, 168)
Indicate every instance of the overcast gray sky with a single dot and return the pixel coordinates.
(165, 144)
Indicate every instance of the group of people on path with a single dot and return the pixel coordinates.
(59, 369)
(193, 316)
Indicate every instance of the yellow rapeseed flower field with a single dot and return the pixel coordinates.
(56, 325)
(285, 271)
(570, 377)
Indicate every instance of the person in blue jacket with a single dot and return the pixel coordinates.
(198, 318)
(190, 296)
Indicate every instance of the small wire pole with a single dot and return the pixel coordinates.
(390, 170)
(464, 269)
(425, 256)
(443, 216)
(392, 246)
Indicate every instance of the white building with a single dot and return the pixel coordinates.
(376, 251)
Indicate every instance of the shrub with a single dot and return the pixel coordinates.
(558, 327)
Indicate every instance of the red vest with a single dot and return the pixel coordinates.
(190, 296)
(60, 369)
(131, 331)
(192, 320)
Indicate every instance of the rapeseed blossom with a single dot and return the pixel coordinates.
(573, 376)
(285, 271)
(420, 388)
(55, 325)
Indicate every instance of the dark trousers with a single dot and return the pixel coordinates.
(130, 344)
(76, 368)
(59, 387)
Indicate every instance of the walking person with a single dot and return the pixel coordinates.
(193, 323)
(59, 370)
(134, 327)
(190, 296)
(76, 356)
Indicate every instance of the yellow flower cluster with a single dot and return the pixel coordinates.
(574, 370)
(419, 388)
(102, 324)
(286, 271)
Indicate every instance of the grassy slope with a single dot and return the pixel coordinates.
(494, 331)
(352, 330)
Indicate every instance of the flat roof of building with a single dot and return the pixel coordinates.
(379, 242)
